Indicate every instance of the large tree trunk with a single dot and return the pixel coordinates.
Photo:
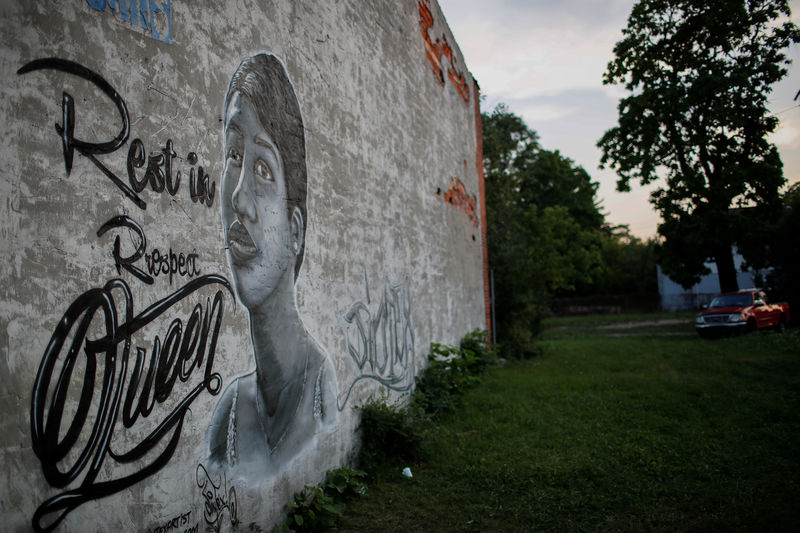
(726, 269)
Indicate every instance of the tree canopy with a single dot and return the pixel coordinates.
(696, 123)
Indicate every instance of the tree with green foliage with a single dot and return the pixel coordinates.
(696, 123)
(626, 277)
(629, 264)
(523, 174)
(543, 224)
(779, 253)
(784, 255)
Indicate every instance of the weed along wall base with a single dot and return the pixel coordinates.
(221, 233)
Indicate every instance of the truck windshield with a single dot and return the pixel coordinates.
(732, 300)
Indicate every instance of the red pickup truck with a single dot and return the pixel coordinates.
(736, 312)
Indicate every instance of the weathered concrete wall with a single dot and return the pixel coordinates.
(164, 368)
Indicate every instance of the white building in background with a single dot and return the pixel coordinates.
(675, 298)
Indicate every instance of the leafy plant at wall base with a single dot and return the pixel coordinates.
(391, 432)
(311, 510)
(317, 508)
(477, 343)
(388, 432)
(448, 375)
(345, 483)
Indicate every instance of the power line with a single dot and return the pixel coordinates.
(787, 109)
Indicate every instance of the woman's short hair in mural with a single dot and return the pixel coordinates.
(270, 416)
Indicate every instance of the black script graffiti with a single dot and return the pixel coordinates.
(57, 440)
(218, 498)
(124, 221)
(158, 166)
(67, 131)
(158, 173)
(201, 188)
(171, 263)
(174, 523)
(381, 344)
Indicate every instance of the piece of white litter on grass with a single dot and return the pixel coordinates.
(407, 472)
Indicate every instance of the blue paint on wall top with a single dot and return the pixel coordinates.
(149, 12)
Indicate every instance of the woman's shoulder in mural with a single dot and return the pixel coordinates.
(222, 429)
(236, 440)
(317, 411)
(326, 390)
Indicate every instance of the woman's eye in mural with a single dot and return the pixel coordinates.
(261, 170)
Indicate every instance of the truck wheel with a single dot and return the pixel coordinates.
(780, 327)
(751, 326)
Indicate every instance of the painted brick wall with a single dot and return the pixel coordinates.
(165, 366)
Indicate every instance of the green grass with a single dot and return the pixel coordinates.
(653, 430)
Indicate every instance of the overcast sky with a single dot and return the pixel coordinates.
(545, 60)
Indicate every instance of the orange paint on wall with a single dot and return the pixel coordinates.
(435, 50)
(458, 197)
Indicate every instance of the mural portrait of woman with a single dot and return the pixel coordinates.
(268, 417)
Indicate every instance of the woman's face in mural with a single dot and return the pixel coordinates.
(257, 230)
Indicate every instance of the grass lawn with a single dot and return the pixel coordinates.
(613, 427)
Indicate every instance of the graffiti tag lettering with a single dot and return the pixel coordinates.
(381, 344)
(218, 498)
(141, 12)
(57, 441)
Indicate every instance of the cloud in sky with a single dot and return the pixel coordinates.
(786, 136)
(545, 60)
(528, 49)
(544, 112)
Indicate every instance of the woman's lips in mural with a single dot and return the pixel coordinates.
(240, 243)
